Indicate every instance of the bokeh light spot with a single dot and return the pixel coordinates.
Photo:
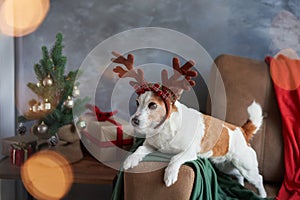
(285, 72)
(47, 175)
(21, 17)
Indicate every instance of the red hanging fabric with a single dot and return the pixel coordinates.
(285, 73)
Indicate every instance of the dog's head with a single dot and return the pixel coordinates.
(151, 112)
(155, 101)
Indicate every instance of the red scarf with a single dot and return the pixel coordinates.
(285, 74)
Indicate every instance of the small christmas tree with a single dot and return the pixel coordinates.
(57, 93)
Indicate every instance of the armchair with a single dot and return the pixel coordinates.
(245, 80)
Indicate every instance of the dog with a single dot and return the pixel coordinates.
(171, 127)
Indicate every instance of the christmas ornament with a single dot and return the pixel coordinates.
(42, 128)
(81, 124)
(21, 130)
(38, 84)
(48, 81)
(53, 140)
(76, 92)
(69, 103)
(47, 105)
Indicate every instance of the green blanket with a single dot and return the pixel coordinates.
(207, 184)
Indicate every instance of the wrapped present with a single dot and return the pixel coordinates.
(19, 153)
(28, 139)
(107, 134)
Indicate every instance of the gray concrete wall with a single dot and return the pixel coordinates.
(252, 28)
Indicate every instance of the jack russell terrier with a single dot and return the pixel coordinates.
(171, 127)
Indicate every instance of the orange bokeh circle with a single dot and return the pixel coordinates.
(47, 175)
(285, 72)
(21, 17)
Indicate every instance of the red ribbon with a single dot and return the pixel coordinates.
(19, 153)
(105, 116)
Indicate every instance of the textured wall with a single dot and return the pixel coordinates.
(247, 28)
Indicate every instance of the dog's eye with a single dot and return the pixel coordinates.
(152, 106)
(137, 103)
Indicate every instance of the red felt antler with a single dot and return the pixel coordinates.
(138, 74)
(174, 81)
(169, 90)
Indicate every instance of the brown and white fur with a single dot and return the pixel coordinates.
(188, 133)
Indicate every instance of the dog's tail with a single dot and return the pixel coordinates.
(254, 121)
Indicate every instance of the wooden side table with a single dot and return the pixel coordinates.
(86, 171)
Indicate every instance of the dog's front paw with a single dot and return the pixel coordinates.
(171, 175)
(132, 161)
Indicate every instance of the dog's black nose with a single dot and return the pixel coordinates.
(135, 121)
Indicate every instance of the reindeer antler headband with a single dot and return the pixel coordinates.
(168, 90)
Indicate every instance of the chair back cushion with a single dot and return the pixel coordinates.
(246, 80)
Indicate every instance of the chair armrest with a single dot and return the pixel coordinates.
(146, 182)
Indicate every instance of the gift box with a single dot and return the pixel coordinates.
(19, 153)
(28, 139)
(107, 136)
